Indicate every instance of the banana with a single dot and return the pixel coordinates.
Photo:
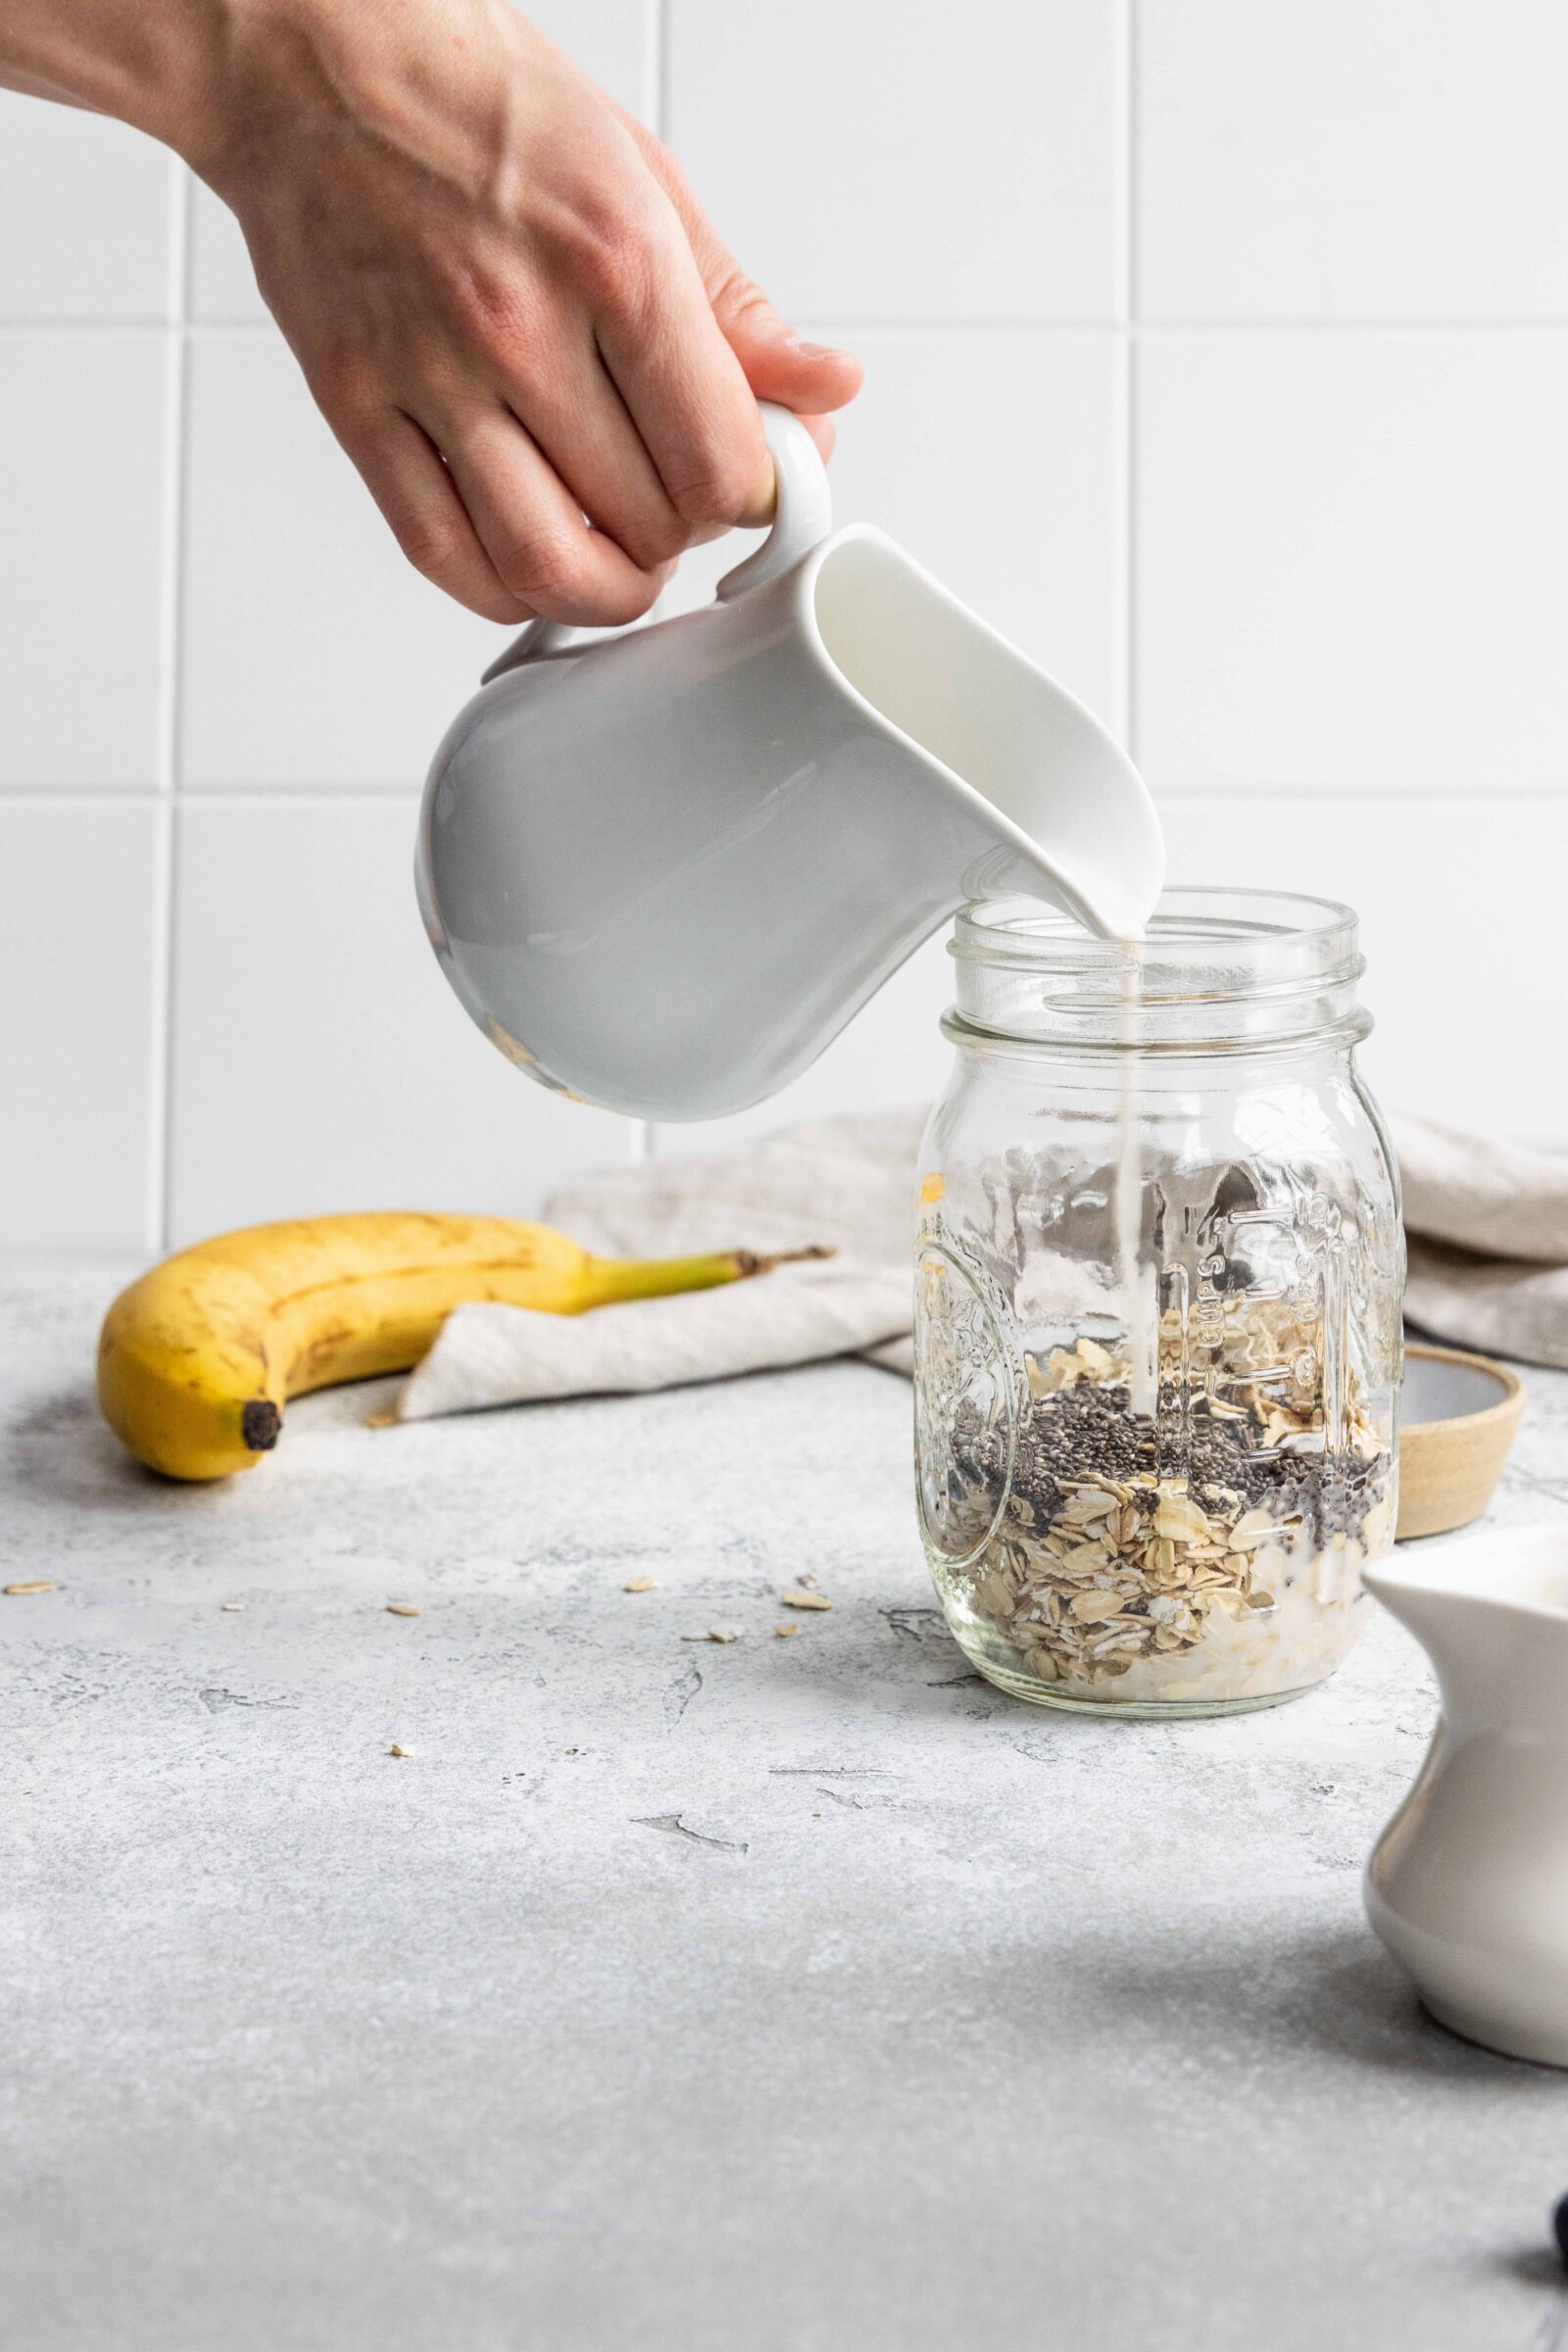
(198, 1359)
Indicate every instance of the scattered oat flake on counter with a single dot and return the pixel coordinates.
(33, 1584)
(232, 1605)
(386, 1420)
(800, 1599)
(639, 1584)
(401, 1609)
(395, 1751)
(784, 1631)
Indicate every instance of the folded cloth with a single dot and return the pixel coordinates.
(1487, 1227)
(490, 1354)
(844, 1183)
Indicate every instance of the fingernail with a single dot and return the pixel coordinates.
(814, 351)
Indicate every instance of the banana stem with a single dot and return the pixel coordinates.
(609, 1279)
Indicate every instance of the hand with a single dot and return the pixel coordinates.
(504, 298)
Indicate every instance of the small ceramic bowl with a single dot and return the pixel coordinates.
(1458, 1419)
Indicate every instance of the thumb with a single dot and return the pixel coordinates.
(811, 378)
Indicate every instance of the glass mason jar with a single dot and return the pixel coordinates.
(1157, 1320)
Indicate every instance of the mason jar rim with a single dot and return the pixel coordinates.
(1217, 968)
(1190, 917)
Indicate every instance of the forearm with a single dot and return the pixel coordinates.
(187, 71)
(155, 64)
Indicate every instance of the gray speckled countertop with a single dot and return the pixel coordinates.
(783, 1997)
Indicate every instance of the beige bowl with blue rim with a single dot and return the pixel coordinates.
(1458, 1416)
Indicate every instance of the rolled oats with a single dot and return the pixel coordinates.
(1110, 1556)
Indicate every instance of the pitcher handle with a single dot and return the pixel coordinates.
(804, 510)
(803, 514)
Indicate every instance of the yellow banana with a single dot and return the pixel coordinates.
(197, 1359)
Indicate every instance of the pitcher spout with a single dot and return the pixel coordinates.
(1068, 815)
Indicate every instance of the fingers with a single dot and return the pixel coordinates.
(403, 472)
(573, 411)
(779, 364)
(532, 530)
(685, 391)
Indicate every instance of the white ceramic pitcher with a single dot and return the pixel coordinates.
(1468, 1884)
(662, 868)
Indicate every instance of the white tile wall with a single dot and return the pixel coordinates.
(1350, 566)
(1217, 353)
(1353, 159)
(911, 163)
(81, 908)
(82, 459)
(319, 1061)
(87, 216)
(309, 656)
(1461, 927)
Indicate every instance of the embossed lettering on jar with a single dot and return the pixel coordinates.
(1157, 1344)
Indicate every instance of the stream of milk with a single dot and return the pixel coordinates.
(1139, 1311)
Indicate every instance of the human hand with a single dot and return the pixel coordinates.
(504, 298)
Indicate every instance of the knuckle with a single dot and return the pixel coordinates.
(432, 543)
(615, 255)
(737, 296)
(652, 540)
(500, 315)
(547, 569)
(715, 491)
(623, 254)
(344, 381)
(667, 168)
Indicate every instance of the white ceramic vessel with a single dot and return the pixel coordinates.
(1468, 1884)
(662, 868)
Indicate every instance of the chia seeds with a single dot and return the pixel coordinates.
(1130, 1542)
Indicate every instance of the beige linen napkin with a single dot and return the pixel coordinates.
(1487, 1224)
(847, 1183)
(1489, 1264)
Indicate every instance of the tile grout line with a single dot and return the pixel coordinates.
(1159, 330)
(1125, 388)
(1148, 330)
(642, 1136)
(160, 1123)
(1142, 330)
(407, 796)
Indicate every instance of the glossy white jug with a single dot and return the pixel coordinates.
(662, 868)
(1468, 1884)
